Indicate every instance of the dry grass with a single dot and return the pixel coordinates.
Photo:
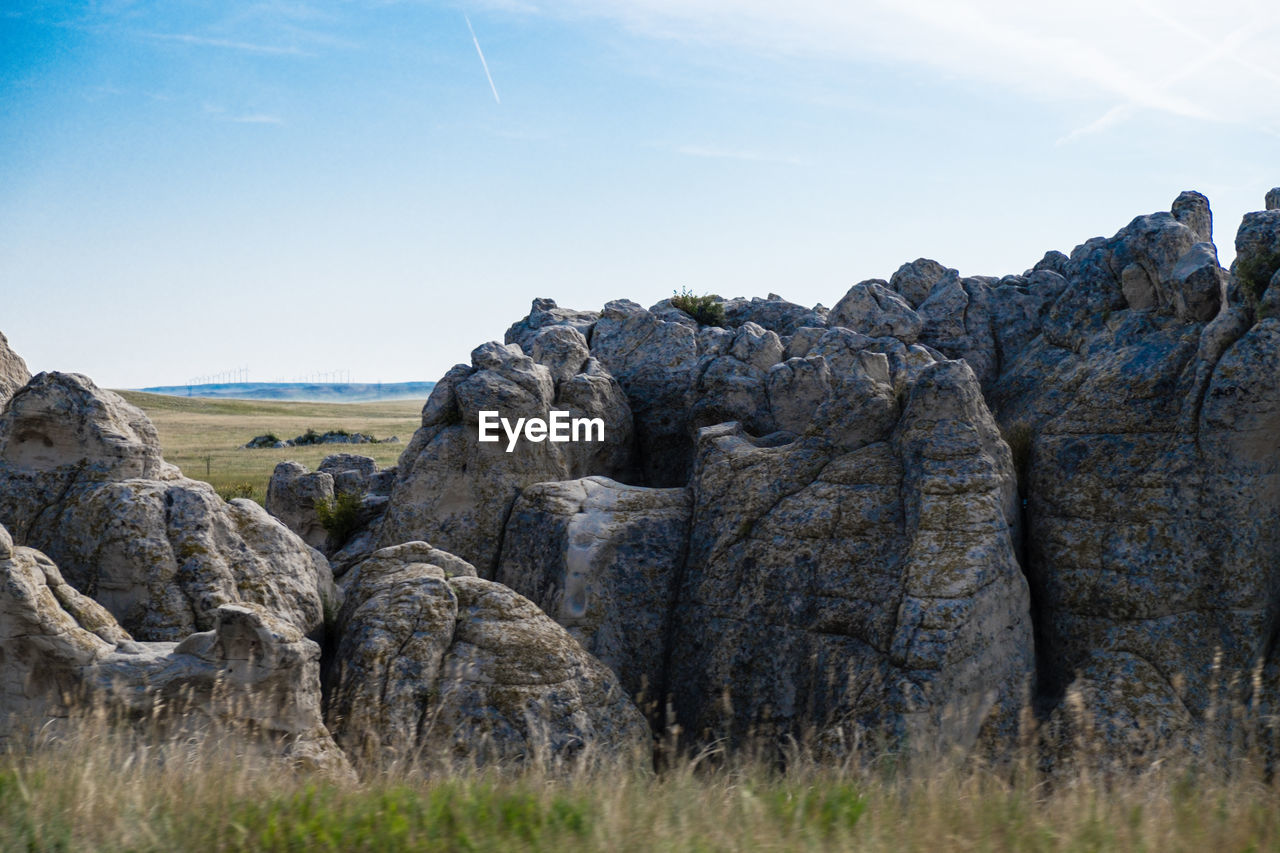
(99, 790)
(205, 438)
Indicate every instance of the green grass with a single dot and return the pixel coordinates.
(206, 438)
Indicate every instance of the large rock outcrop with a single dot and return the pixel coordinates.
(63, 657)
(82, 479)
(434, 662)
(863, 574)
(1153, 478)
(455, 490)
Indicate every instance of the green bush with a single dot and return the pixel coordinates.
(706, 309)
(340, 517)
(239, 490)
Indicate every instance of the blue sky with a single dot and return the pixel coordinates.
(301, 186)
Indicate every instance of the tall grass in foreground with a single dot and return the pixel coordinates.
(101, 789)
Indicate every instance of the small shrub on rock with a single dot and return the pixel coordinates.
(706, 309)
(340, 517)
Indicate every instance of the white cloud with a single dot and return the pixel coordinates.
(248, 47)
(1187, 59)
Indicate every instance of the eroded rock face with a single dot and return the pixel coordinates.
(543, 314)
(985, 321)
(13, 371)
(655, 362)
(1153, 482)
(603, 560)
(871, 308)
(914, 280)
(774, 313)
(436, 661)
(293, 493)
(456, 490)
(82, 479)
(863, 574)
(252, 673)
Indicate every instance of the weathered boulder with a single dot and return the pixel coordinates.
(1273, 199)
(1192, 210)
(435, 662)
(731, 383)
(293, 493)
(774, 313)
(296, 496)
(957, 321)
(1199, 284)
(543, 314)
(862, 574)
(454, 489)
(1257, 254)
(914, 280)
(602, 559)
(82, 479)
(252, 675)
(871, 308)
(1053, 261)
(13, 371)
(1152, 487)
(655, 362)
(986, 322)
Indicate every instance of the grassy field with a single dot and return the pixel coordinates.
(205, 438)
(92, 795)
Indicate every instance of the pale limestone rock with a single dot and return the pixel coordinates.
(545, 313)
(861, 575)
(731, 383)
(775, 314)
(1192, 210)
(433, 662)
(602, 559)
(253, 675)
(872, 309)
(82, 478)
(456, 490)
(293, 493)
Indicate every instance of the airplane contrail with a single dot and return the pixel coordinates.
(483, 64)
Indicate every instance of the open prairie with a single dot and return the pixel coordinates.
(206, 438)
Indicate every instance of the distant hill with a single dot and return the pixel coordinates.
(311, 392)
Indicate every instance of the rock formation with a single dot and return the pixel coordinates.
(862, 575)
(295, 495)
(602, 559)
(64, 655)
(435, 662)
(912, 514)
(1152, 476)
(455, 490)
(82, 479)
